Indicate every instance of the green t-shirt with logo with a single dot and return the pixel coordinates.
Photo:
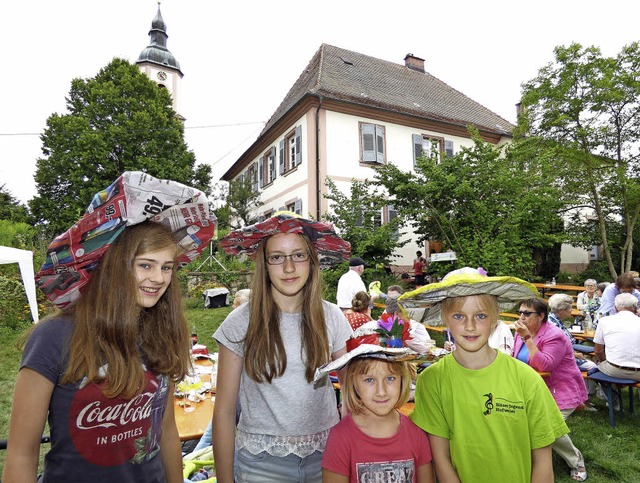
(493, 417)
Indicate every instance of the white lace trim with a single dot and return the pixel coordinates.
(301, 446)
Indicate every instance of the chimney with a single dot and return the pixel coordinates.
(414, 63)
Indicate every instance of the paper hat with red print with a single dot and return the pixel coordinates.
(331, 248)
(385, 338)
(131, 199)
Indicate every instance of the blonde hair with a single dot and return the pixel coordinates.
(361, 365)
(242, 296)
(110, 327)
(485, 301)
(263, 339)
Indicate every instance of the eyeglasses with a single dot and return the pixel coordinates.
(526, 313)
(278, 259)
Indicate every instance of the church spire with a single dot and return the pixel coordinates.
(159, 64)
(157, 51)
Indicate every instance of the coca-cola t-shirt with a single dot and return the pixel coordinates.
(95, 438)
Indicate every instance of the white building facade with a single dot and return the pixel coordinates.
(345, 115)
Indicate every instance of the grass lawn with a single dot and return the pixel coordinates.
(611, 454)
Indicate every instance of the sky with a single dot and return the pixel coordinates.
(240, 58)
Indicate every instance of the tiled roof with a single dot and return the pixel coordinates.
(343, 75)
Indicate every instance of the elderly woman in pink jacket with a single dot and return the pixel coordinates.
(545, 348)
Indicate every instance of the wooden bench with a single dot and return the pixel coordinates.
(608, 383)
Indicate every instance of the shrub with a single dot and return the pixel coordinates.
(14, 305)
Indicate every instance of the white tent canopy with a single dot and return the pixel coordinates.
(25, 259)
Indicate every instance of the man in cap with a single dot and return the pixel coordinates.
(350, 283)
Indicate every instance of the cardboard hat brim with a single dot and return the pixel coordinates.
(367, 350)
(508, 290)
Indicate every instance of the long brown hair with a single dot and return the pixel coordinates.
(263, 340)
(110, 327)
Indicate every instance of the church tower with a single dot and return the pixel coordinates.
(159, 64)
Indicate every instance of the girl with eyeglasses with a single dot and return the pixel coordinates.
(270, 349)
(545, 347)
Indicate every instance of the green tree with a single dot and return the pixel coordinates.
(10, 208)
(586, 109)
(242, 200)
(117, 121)
(358, 218)
(16, 234)
(493, 206)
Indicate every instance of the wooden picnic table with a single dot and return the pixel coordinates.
(513, 315)
(547, 287)
(192, 418)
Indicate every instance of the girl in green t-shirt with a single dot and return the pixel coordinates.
(489, 417)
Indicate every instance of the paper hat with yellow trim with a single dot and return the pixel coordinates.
(468, 281)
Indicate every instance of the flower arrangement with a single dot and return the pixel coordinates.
(393, 331)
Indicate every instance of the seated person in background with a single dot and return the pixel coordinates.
(601, 287)
(360, 311)
(589, 300)
(420, 340)
(501, 338)
(560, 306)
(392, 291)
(625, 283)
(242, 297)
(617, 340)
(545, 347)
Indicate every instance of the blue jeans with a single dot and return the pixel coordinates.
(265, 467)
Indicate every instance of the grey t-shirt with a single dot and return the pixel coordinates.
(289, 405)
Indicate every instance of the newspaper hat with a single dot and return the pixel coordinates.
(331, 248)
(468, 281)
(385, 338)
(131, 199)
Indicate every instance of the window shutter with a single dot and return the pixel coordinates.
(417, 147)
(261, 172)
(360, 218)
(392, 214)
(254, 178)
(379, 144)
(281, 156)
(367, 133)
(297, 207)
(448, 148)
(272, 168)
(298, 159)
